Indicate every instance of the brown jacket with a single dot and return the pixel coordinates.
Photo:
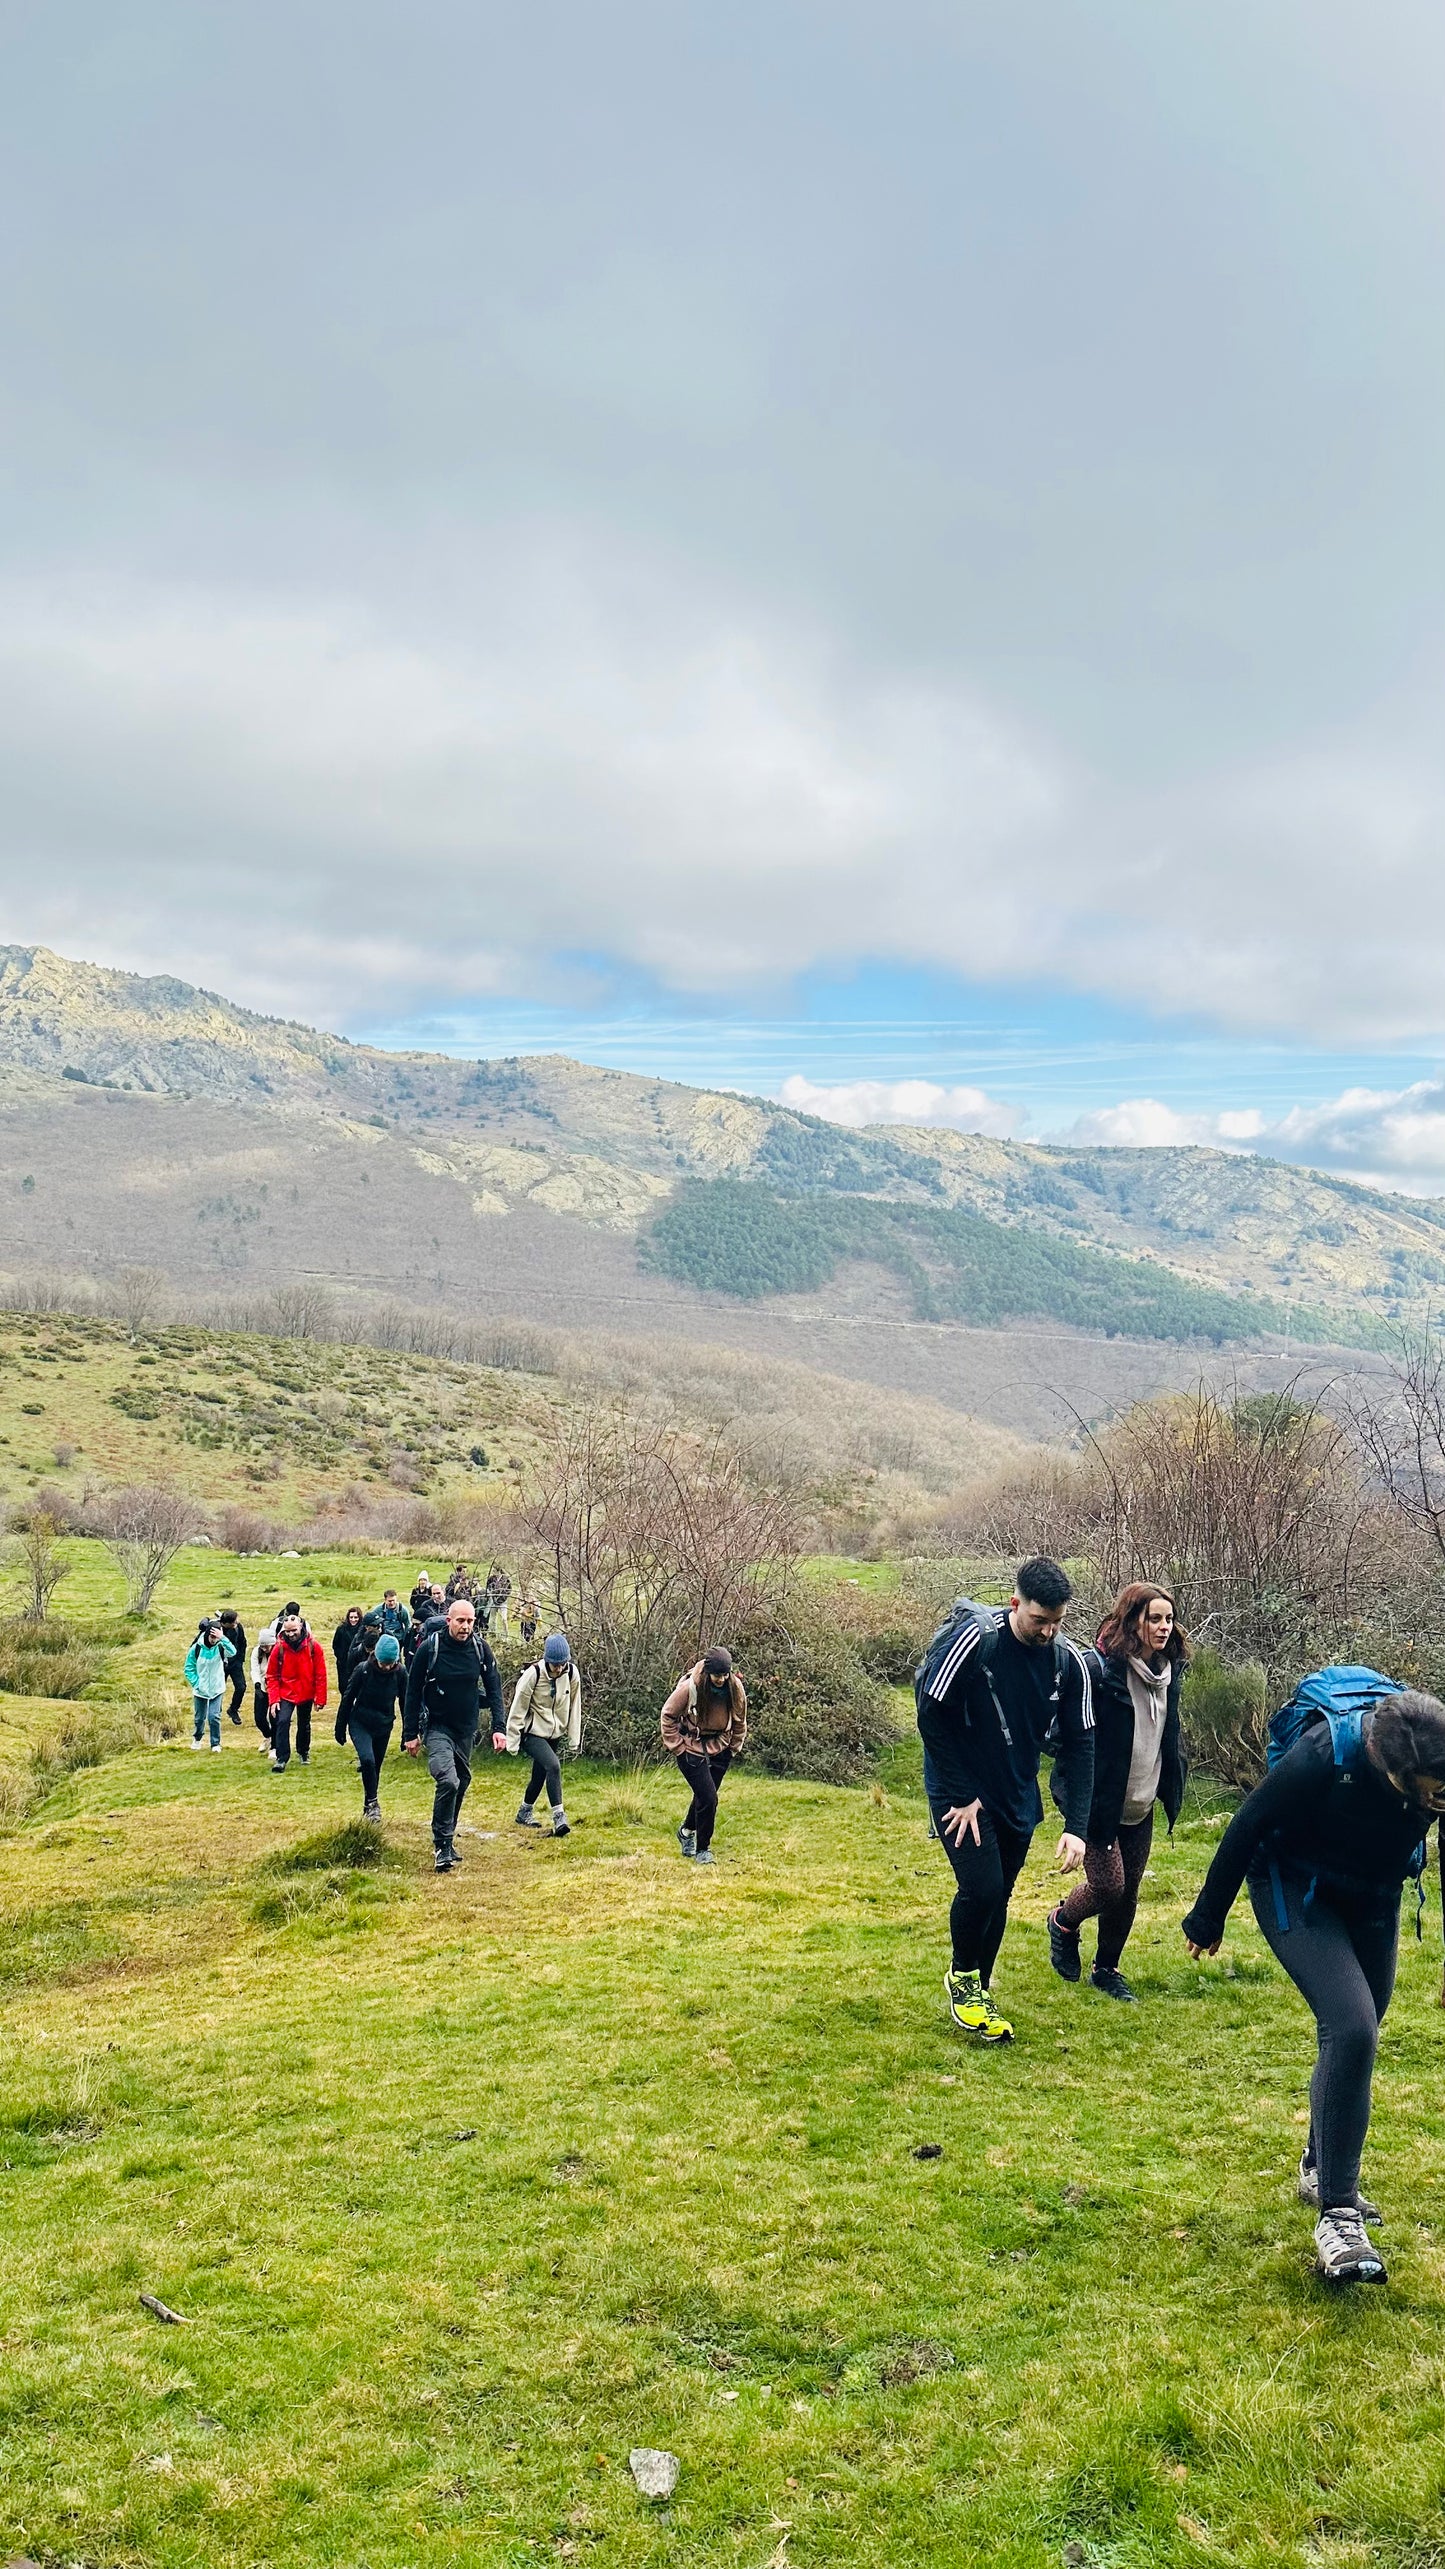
(692, 1720)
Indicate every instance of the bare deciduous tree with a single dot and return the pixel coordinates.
(36, 1552)
(143, 1529)
(656, 1540)
(1402, 1429)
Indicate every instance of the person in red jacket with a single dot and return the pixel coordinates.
(295, 1683)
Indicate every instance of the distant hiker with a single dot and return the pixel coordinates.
(430, 1619)
(1325, 1844)
(420, 1598)
(529, 1615)
(393, 1616)
(344, 1643)
(704, 1726)
(545, 1718)
(235, 1632)
(461, 1584)
(499, 1594)
(452, 1674)
(295, 1684)
(207, 1665)
(1140, 1657)
(367, 1714)
(260, 1700)
(993, 1688)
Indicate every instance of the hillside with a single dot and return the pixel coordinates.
(146, 1122)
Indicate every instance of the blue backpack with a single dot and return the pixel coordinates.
(1341, 1696)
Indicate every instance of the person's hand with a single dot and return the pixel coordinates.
(1198, 1953)
(499, 1741)
(962, 1822)
(1069, 1853)
(410, 1747)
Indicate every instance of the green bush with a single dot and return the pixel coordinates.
(353, 1847)
(813, 1709)
(1223, 1710)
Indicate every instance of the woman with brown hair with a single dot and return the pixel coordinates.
(1141, 1653)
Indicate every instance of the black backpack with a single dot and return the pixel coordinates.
(990, 1622)
(428, 1652)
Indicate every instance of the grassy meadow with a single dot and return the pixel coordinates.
(467, 2186)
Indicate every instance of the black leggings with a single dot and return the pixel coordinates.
(546, 1769)
(1341, 1956)
(985, 1875)
(371, 1744)
(1110, 1889)
(705, 1775)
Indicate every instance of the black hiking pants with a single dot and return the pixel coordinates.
(449, 1765)
(1340, 1952)
(705, 1775)
(985, 1875)
(281, 1731)
(261, 1710)
(239, 1683)
(546, 1769)
(371, 1740)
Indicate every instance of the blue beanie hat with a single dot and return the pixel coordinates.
(388, 1650)
(556, 1650)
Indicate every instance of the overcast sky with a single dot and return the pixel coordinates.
(579, 524)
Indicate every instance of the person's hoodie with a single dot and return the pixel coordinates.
(206, 1664)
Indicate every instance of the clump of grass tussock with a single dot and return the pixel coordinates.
(86, 1737)
(47, 1660)
(354, 1847)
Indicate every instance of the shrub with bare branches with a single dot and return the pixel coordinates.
(143, 1528)
(38, 1556)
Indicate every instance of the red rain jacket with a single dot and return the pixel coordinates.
(296, 1671)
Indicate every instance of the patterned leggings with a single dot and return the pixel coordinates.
(1110, 1889)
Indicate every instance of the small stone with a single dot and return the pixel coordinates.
(655, 2472)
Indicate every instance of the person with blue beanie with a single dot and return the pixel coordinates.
(367, 1713)
(545, 1719)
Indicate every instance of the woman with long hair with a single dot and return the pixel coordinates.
(1140, 1655)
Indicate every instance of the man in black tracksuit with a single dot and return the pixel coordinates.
(451, 1675)
(1005, 1684)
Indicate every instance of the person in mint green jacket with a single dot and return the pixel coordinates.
(207, 1663)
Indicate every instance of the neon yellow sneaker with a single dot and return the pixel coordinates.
(972, 2008)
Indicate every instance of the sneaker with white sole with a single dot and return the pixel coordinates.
(200, 1740)
(1344, 2251)
(687, 1840)
(215, 1748)
(561, 1825)
(1308, 2190)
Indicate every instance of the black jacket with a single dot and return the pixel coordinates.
(1351, 1833)
(429, 1706)
(1114, 1747)
(373, 1695)
(343, 1650)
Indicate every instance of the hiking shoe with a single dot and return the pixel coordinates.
(972, 2009)
(235, 1718)
(561, 1825)
(215, 1748)
(687, 1840)
(303, 1757)
(1063, 1948)
(704, 1855)
(200, 1740)
(278, 1765)
(527, 1817)
(1309, 2192)
(1113, 1984)
(1343, 2253)
(371, 1810)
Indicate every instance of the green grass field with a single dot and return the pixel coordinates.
(467, 2186)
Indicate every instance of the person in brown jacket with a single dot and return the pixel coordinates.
(704, 1725)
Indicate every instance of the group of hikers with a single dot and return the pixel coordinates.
(430, 1661)
(1324, 1844)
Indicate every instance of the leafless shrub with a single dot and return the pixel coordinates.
(65, 1454)
(36, 1552)
(141, 1298)
(143, 1528)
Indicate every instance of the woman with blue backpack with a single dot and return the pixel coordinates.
(1325, 1845)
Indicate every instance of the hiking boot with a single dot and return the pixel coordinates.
(278, 1765)
(303, 1757)
(1112, 1982)
(1309, 2192)
(1343, 2253)
(527, 1817)
(445, 1857)
(372, 1810)
(1063, 1948)
(687, 1840)
(704, 1855)
(561, 1825)
(235, 1718)
(972, 2009)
